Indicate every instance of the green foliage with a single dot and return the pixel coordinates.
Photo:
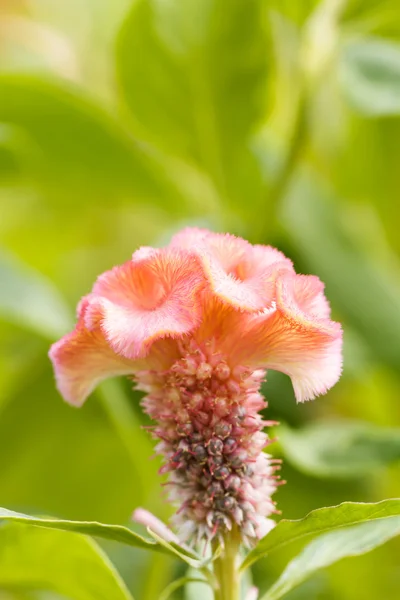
(322, 519)
(342, 449)
(373, 524)
(111, 532)
(77, 150)
(371, 76)
(331, 547)
(207, 67)
(116, 533)
(30, 301)
(69, 564)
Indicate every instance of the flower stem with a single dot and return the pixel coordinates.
(226, 569)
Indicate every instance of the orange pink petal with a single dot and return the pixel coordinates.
(151, 297)
(82, 359)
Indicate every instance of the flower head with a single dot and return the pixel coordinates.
(198, 324)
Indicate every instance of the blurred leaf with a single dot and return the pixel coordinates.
(372, 17)
(320, 520)
(72, 565)
(135, 439)
(9, 164)
(79, 150)
(194, 76)
(340, 448)
(183, 581)
(67, 462)
(331, 547)
(20, 357)
(116, 533)
(365, 292)
(29, 300)
(370, 76)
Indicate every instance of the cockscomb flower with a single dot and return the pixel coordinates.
(197, 324)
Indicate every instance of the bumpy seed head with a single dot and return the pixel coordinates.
(199, 453)
(229, 445)
(239, 413)
(215, 446)
(184, 429)
(210, 441)
(232, 483)
(248, 470)
(205, 479)
(215, 489)
(204, 499)
(221, 472)
(218, 520)
(204, 371)
(226, 503)
(214, 462)
(247, 507)
(238, 459)
(179, 459)
(222, 429)
(196, 401)
(202, 417)
(222, 371)
(184, 445)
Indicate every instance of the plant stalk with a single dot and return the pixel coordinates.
(226, 569)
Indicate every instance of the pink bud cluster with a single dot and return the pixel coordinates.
(212, 439)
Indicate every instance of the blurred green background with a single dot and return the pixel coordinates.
(121, 122)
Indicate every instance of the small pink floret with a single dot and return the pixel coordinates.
(146, 518)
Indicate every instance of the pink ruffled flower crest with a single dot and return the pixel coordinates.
(295, 337)
(154, 296)
(198, 324)
(241, 275)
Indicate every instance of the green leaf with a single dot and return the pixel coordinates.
(28, 299)
(77, 149)
(370, 76)
(321, 520)
(69, 564)
(331, 547)
(340, 448)
(194, 74)
(116, 533)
